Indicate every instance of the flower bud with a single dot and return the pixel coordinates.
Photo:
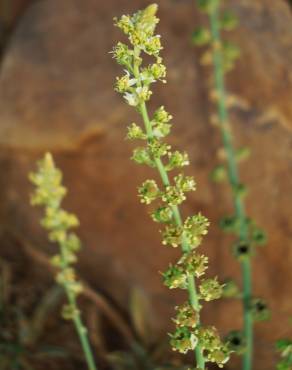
(210, 289)
(162, 214)
(186, 316)
(148, 191)
(174, 277)
(183, 340)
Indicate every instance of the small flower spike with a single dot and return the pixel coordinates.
(49, 193)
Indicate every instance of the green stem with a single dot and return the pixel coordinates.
(193, 296)
(79, 326)
(234, 181)
(178, 220)
(248, 320)
(82, 333)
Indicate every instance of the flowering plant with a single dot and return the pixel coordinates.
(221, 56)
(49, 193)
(168, 194)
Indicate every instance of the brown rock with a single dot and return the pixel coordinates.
(56, 93)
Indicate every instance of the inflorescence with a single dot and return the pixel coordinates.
(165, 198)
(49, 193)
(221, 56)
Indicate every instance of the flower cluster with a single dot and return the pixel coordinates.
(191, 231)
(214, 349)
(188, 335)
(139, 28)
(49, 193)
(165, 198)
(210, 289)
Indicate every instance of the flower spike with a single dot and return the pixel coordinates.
(171, 192)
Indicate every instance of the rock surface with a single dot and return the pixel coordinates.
(56, 94)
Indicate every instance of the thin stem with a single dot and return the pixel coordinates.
(82, 333)
(79, 326)
(248, 320)
(193, 296)
(234, 182)
(178, 220)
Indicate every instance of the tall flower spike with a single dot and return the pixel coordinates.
(221, 56)
(135, 86)
(49, 193)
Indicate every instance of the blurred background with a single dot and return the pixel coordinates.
(56, 94)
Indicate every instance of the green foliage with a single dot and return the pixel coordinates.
(135, 86)
(284, 347)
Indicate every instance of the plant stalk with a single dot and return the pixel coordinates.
(193, 296)
(234, 182)
(79, 326)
